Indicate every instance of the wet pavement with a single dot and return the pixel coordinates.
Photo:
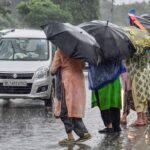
(28, 125)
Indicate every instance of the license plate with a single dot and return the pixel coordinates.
(14, 83)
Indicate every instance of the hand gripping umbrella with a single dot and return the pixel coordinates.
(73, 41)
(112, 39)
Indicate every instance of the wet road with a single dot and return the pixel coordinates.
(28, 125)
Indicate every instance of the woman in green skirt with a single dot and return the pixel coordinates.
(108, 99)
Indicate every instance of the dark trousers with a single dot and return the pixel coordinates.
(111, 115)
(72, 124)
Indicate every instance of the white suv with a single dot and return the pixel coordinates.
(25, 58)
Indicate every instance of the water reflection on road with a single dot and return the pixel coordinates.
(28, 125)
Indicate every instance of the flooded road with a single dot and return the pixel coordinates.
(28, 125)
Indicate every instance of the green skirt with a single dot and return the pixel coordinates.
(109, 96)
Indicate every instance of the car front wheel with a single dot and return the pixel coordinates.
(48, 102)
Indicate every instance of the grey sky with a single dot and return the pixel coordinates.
(129, 1)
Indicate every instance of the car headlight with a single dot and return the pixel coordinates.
(42, 72)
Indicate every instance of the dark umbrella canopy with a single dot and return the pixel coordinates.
(112, 39)
(73, 41)
(145, 16)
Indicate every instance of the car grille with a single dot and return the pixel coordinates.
(15, 89)
(16, 75)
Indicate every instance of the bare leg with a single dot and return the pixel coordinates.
(124, 119)
(109, 125)
(127, 105)
(70, 136)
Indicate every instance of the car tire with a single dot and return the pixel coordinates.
(48, 102)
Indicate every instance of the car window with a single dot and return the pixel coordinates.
(6, 49)
(24, 49)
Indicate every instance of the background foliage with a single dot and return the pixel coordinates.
(38, 12)
(33, 13)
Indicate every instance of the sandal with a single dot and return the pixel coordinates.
(139, 121)
(67, 142)
(138, 124)
(86, 137)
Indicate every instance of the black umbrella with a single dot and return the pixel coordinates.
(145, 16)
(113, 40)
(74, 41)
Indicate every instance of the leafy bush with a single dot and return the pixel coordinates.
(38, 12)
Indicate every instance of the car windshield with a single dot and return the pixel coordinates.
(23, 49)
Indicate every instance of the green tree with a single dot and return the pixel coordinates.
(38, 12)
(81, 10)
(4, 7)
(6, 20)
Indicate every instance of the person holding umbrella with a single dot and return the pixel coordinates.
(75, 47)
(73, 103)
(138, 73)
(108, 99)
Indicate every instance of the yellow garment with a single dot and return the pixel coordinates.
(140, 105)
(139, 38)
(136, 64)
